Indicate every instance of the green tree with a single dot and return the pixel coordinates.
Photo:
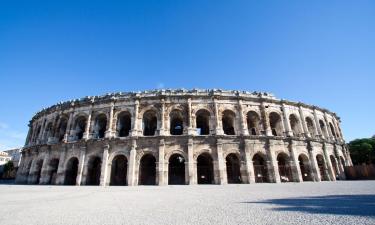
(362, 150)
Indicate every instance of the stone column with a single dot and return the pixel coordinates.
(109, 131)
(265, 119)
(272, 164)
(303, 122)
(294, 163)
(245, 131)
(328, 163)
(314, 165)
(134, 132)
(191, 163)
(331, 137)
(161, 170)
(81, 179)
(104, 170)
(249, 163)
(318, 130)
(41, 133)
(132, 164)
(86, 134)
(219, 130)
(61, 170)
(282, 125)
(44, 179)
(30, 176)
(68, 127)
(162, 131)
(220, 175)
(191, 130)
(288, 131)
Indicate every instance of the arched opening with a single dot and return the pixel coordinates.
(35, 138)
(150, 123)
(27, 173)
(119, 170)
(123, 124)
(100, 126)
(176, 122)
(334, 165)
(176, 170)
(294, 125)
(71, 171)
(310, 126)
(285, 171)
(205, 169)
(203, 122)
(321, 166)
(275, 124)
(304, 166)
(147, 170)
(48, 132)
(323, 128)
(228, 120)
(233, 169)
(260, 169)
(38, 171)
(253, 123)
(342, 161)
(93, 171)
(52, 171)
(63, 124)
(80, 127)
(332, 130)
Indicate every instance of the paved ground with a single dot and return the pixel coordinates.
(306, 203)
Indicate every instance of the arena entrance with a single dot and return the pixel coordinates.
(176, 170)
(93, 171)
(285, 171)
(147, 172)
(233, 169)
(71, 172)
(304, 166)
(119, 171)
(260, 169)
(52, 171)
(205, 169)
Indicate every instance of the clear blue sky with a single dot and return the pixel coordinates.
(318, 52)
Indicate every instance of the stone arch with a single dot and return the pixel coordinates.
(38, 171)
(253, 123)
(203, 117)
(304, 165)
(61, 128)
(93, 170)
(332, 130)
(48, 131)
(147, 170)
(119, 169)
(176, 122)
(100, 125)
(53, 166)
(71, 171)
(150, 122)
(233, 168)
(205, 169)
(323, 128)
(228, 121)
(285, 171)
(295, 125)
(310, 126)
(334, 165)
(80, 126)
(342, 161)
(176, 169)
(275, 124)
(124, 124)
(260, 168)
(322, 167)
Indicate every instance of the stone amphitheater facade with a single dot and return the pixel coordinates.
(182, 136)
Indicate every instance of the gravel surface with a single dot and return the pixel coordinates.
(341, 203)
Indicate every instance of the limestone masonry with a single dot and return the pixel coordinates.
(182, 137)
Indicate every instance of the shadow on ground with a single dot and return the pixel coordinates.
(354, 205)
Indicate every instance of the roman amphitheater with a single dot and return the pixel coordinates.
(171, 137)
